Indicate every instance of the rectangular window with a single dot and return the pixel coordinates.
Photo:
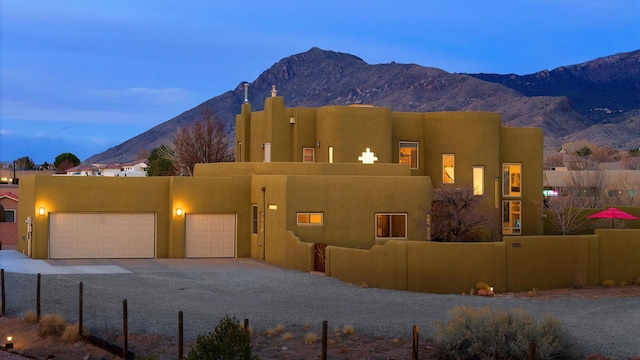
(310, 218)
(478, 180)
(308, 155)
(9, 216)
(391, 226)
(409, 153)
(239, 151)
(511, 181)
(511, 217)
(330, 154)
(267, 152)
(448, 168)
(254, 219)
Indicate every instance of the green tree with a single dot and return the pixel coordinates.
(584, 152)
(24, 163)
(68, 157)
(160, 163)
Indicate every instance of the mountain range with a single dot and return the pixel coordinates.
(598, 100)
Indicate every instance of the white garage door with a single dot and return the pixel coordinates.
(211, 235)
(102, 236)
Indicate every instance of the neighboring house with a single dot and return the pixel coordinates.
(129, 169)
(346, 176)
(82, 170)
(9, 216)
(602, 187)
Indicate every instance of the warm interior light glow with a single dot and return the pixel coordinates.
(41, 211)
(9, 338)
(273, 207)
(179, 212)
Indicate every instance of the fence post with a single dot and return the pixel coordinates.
(80, 329)
(125, 320)
(180, 334)
(38, 299)
(414, 349)
(531, 351)
(324, 339)
(3, 298)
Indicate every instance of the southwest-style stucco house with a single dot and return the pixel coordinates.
(344, 176)
(9, 217)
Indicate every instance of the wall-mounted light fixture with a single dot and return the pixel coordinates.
(41, 211)
(262, 146)
(179, 211)
(9, 344)
(318, 144)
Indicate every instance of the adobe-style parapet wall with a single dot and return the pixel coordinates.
(516, 264)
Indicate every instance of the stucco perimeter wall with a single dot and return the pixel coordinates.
(619, 255)
(298, 255)
(516, 264)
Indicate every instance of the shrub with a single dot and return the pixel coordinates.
(483, 286)
(608, 283)
(228, 341)
(496, 334)
(287, 336)
(311, 338)
(71, 333)
(52, 324)
(348, 330)
(31, 317)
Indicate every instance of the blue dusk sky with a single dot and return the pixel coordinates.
(83, 76)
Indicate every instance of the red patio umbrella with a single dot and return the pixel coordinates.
(613, 213)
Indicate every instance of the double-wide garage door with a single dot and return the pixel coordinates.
(102, 236)
(210, 235)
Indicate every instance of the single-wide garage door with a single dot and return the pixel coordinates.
(102, 236)
(211, 235)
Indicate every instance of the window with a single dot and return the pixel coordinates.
(254, 219)
(9, 215)
(330, 154)
(409, 153)
(310, 218)
(308, 154)
(511, 217)
(267, 152)
(448, 168)
(239, 151)
(391, 226)
(478, 180)
(511, 181)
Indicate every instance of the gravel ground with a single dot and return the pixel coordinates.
(268, 296)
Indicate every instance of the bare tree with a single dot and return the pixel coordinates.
(631, 163)
(206, 141)
(459, 215)
(586, 188)
(623, 190)
(567, 214)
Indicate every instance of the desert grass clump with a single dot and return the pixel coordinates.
(270, 332)
(228, 341)
(497, 334)
(348, 330)
(71, 333)
(287, 336)
(280, 328)
(31, 317)
(608, 283)
(52, 325)
(336, 330)
(311, 338)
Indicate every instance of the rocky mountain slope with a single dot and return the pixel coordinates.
(550, 100)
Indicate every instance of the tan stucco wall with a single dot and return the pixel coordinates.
(619, 255)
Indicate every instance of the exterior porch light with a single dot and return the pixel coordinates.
(9, 344)
(179, 211)
(41, 211)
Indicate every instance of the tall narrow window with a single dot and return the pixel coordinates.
(409, 153)
(330, 154)
(512, 180)
(239, 151)
(391, 226)
(254, 219)
(478, 180)
(511, 217)
(448, 168)
(308, 154)
(267, 152)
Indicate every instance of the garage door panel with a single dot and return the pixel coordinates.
(104, 235)
(210, 235)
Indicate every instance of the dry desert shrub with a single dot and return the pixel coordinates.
(287, 336)
(496, 334)
(71, 333)
(280, 328)
(52, 325)
(348, 330)
(31, 317)
(311, 338)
